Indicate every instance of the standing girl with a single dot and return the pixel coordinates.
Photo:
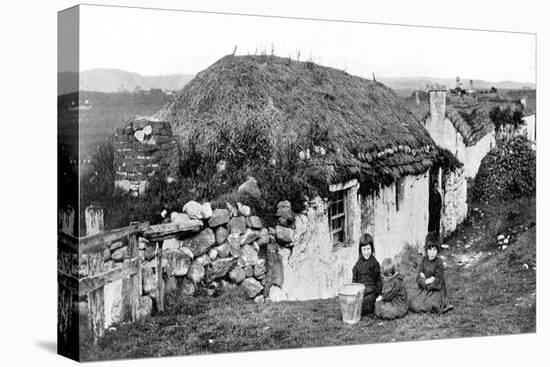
(367, 272)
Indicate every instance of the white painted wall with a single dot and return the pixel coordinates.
(530, 127)
(446, 136)
(475, 153)
(392, 229)
(313, 269)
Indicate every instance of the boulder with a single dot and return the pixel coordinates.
(171, 244)
(206, 211)
(237, 225)
(249, 255)
(204, 260)
(213, 254)
(179, 217)
(254, 222)
(284, 235)
(252, 287)
(250, 187)
(234, 242)
(264, 237)
(237, 275)
(223, 250)
(260, 268)
(178, 262)
(233, 212)
(195, 273)
(219, 268)
(243, 210)
(116, 245)
(187, 287)
(120, 254)
(201, 242)
(188, 252)
(219, 217)
(193, 209)
(221, 235)
(259, 299)
(248, 271)
(249, 236)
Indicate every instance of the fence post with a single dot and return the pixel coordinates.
(93, 216)
(160, 285)
(96, 298)
(130, 285)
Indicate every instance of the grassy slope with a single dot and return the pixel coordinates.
(491, 290)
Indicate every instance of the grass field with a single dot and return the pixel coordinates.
(492, 289)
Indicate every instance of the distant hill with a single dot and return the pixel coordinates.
(406, 85)
(114, 80)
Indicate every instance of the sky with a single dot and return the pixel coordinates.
(160, 42)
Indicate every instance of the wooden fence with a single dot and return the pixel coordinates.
(71, 248)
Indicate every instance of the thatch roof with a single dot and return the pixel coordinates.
(370, 131)
(469, 116)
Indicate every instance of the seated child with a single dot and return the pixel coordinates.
(392, 302)
(367, 272)
(430, 278)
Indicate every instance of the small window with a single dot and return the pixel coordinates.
(337, 217)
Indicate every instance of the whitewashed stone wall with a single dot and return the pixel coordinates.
(455, 207)
(446, 136)
(475, 153)
(313, 268)
(392, 229)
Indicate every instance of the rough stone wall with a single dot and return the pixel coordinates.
(313, 268)
(455, 207)
(475, 153)
(392, 229)
(141, 149)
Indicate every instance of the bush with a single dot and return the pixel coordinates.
(508, 171)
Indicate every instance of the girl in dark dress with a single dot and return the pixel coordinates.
(367, 272)
(430, 278)
(392, 302)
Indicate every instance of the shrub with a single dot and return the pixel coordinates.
(507, 171)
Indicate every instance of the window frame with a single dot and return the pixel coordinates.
(334, 199)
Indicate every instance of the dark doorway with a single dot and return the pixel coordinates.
(435, 203)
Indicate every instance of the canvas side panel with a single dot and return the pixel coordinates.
(67, 182)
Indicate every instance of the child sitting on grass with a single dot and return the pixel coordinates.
(392, 302)
(367, 272)
(430, 278)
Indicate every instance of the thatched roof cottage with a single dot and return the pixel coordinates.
(460, 124)
(376, 158)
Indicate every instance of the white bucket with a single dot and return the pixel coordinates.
(351, 302)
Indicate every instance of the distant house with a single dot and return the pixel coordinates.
(460, 124)
(383, 162)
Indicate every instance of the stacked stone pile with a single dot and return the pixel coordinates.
(142, 148)
(228, 252)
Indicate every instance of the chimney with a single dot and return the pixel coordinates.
(471, 84)
(438, 104)
(416, 97)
